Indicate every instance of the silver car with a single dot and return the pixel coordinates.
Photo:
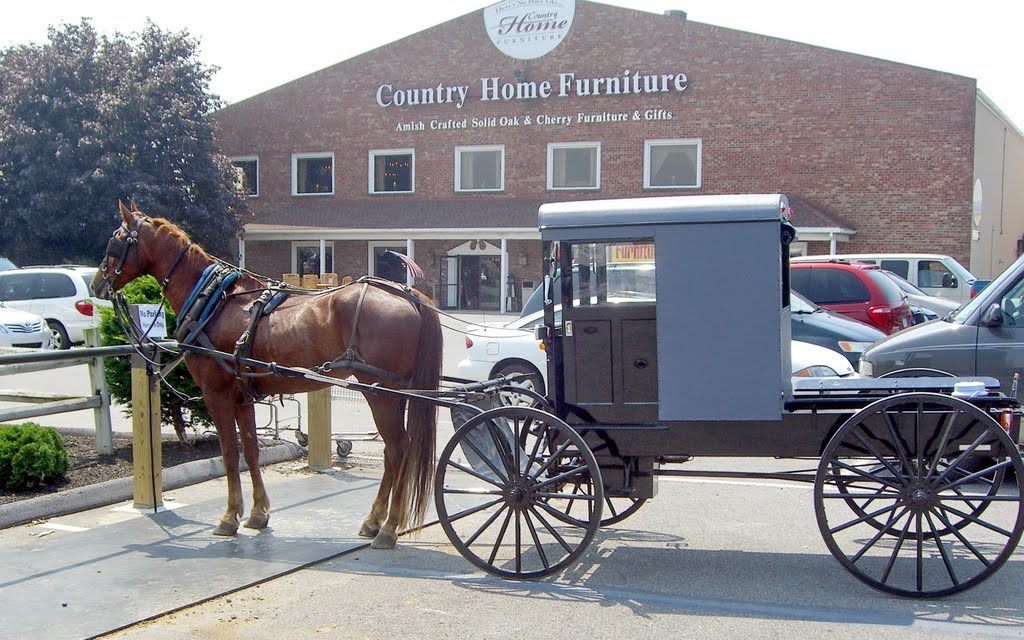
(985, 337)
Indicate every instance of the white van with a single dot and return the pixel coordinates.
(936, 275)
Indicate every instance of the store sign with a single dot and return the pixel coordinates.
(564, 84)
(528, 29)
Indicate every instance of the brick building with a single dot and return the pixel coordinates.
(442, 145)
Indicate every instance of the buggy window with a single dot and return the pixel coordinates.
(613, 273)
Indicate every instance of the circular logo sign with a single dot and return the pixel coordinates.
(528, 29)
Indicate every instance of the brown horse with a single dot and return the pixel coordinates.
(392, 333)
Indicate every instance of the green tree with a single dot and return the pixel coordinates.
(87, 120)
(179, 407)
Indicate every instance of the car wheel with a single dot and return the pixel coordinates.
(58, 335)
(530, 379)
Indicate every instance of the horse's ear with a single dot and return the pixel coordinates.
(135, 207)
(126, 215)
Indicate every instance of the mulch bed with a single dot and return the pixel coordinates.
(88, 467)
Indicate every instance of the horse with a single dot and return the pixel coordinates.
(393, 331)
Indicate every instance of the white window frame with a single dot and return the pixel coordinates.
(390, 152)
(255, 159)
(553, 146)
(650, 144)
(500, 148)
(295, 172)
(315, 244)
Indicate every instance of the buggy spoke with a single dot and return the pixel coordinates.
(463, 468)
(478, 508)
(895, 552)
(878, 535)
(967, 543)
(562, 477)
(551, 530)
(943, 440)
(864, 518)
(501, 475)
(899, 447)
(863, 474)
(501, 537)
(878, 456)
(536, 540)
(976, 520)
(494, 516)
(942, 551)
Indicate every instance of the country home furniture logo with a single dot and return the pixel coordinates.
(528, 29)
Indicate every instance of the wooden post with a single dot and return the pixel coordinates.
(318, 404)
(101, 414)
(147, 455)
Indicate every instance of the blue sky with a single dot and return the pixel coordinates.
(259, 49)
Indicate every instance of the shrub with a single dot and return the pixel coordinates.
(31, 455)
(173, 409)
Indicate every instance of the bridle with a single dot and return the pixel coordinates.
(119, 248)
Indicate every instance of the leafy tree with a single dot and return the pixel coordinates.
(175, 409)
(87, 120)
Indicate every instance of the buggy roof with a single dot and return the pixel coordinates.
(662, 210)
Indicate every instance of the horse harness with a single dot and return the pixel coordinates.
(211, 291)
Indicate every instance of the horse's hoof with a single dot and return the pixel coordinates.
(384, 541)
(368, 530)
(257, 521)
(225, 529)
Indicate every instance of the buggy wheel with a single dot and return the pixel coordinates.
(495, 480)
(616, 508)
(898, 506)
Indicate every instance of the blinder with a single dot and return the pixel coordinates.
(118, 248)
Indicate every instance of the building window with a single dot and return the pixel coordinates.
(306, 258)
(575, 165)
(392, 171)
(480, 168)
(312, 174)
(248, 174)
(672, 164)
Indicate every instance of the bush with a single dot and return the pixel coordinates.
(173, 409)
(31, 455)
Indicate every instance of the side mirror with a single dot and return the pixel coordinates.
(949, 281)
(993, 316)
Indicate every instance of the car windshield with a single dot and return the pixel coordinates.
(800, 304)
(964, 313)
(904, 284)
(6, 265)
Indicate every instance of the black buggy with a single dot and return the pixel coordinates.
(917, 487)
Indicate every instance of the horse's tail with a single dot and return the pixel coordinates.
(421, 420)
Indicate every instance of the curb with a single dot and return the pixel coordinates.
(120, 489)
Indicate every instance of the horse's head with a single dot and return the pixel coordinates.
(122, 262)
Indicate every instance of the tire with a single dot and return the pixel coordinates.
(58, 335)
(531, 381)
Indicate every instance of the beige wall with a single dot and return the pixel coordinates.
(999, 165)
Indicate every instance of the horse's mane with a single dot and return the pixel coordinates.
(173, 230)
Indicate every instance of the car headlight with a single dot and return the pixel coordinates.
(853, 347)
(816, 371)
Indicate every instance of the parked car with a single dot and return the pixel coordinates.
(982, 338)
(511, 348)
(923, 307)
(22, 329)
(6, 265)
(856, 290)
(61, 295)
(813, 324)
(936, 275)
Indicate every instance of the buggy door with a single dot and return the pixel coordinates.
(609, 332)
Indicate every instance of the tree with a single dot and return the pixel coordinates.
(181, 402)
(87, 120)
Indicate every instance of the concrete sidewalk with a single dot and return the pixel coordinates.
(95, 571)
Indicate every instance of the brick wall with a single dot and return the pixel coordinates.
(885, 145)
